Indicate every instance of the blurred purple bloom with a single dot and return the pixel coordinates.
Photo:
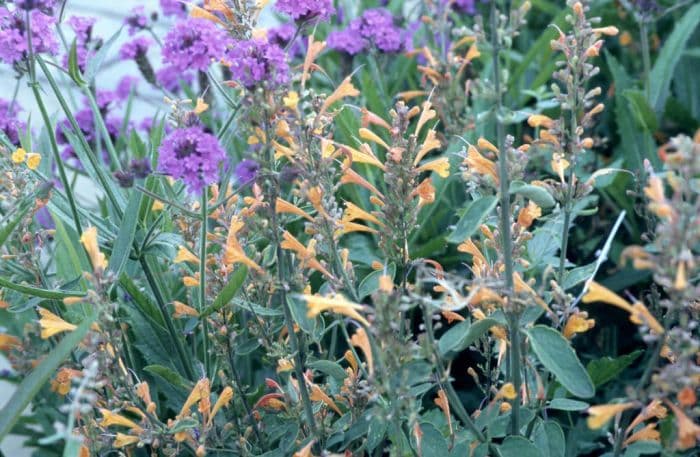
(173, 8)
(44, 219)
(246, 171)
(125, 86)
(192, 155)
(467, 6)
(13, 36)
(170, 77)
(254, 62)
(9, 123)
(305, 10)
(43, 5)
(375, 26)
(138, 47)
(193, 44)
(136, 20)
(82, 26)
(282, 36)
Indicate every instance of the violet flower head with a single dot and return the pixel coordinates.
(9, 123)
(13, 34)
(306, 10)
(376, 26)
(246, 171)
(466, 6)
(193, 44)
(82, 26)
(192, 155)
(173, 8)
(125, 86)
(169, 78)
(42, 5)
(257, 61)
(282, 36)
(138, 47)
(136, 20)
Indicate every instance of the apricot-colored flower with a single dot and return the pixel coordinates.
(647, 433)
(527, 215)
(222, 402)
(334, 303)
(283, 206)
(486, 144)
(639, 314)
(361, 340)
(368, 135)
(480, 164)
(109, 418)
(52, 325)
(200, 390)
(600, 415)
(184, 255)
(123, 440)
(89, 241)
(353, 212)
(317, 394)
(33, 160)
(577, 323)
(19, 156)
(61, 383)
(688, 431)
(7, 342)
(540, 120)
(183, 310)
(507, 391)
(426, 114)
(440, 166)
(307, 255)
(345, 89)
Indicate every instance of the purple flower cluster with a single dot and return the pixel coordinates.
(136, 20)
(467, 6)
(13, 34)
(193, 44)
(169, 78)
(246, 171)
(138, 47)
(375, 27)
(43, 5)
(9, 124)
(258, 61)
(306, 10)
(282, 36)
(192, 155)
(173, 8)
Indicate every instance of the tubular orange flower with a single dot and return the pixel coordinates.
(426, 114)
(480, 164)
(600, 415)
(368, 135)
(647, 433)
(7, 342)
(527, 215)
(361, 340)
(200, 390)
(183, 310)
(19, 156)
(470, 248)
(431, 143)
(233, 252)
(539, 120)
(351, 227)
(306, 450)
(284, 206)
(307, 255)
(472, 53)
(688, 431)
(577, 323)
(52, 325)
(559, 165)
(444, 404)
(184, 255)
(486, 144)
(353, 212)
(61, 383)
(334, 303)
(440, 166)
(653, 410)
(507, 391)
(291, 100)
(350, 176)
(369, 118)
(109, 418)
(411, 94)
(314, 48)
(425, 192)
(317, 394)
(364, 155)
(89, 241)
(521, 286)
(345, 89)
(222, 402)
(123, 440)
(639, 314)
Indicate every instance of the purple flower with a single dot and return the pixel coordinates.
(193, 44)
(376, 26)
(44, 219)
(282, 36)
(173, 8)
(43, 5)
(82, 26)
(136, 48)
(125, 86)
(305, 10)
(13, 37)
(136, 20)
(169, 78)
(467, 6)
(246, 171)
(192, 155)
(9, 124)
(254, 62)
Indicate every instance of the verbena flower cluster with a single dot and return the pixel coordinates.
(376, 27)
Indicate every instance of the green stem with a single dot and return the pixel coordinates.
(646, 56)
(99, 120)
(179, 347)
(513, 314)
(203, 278)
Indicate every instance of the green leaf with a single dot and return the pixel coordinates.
(41, 293)
(370, 283)
(329, 368)
(549, 438)
(228, 292)
(9, 227)
(473, 217)
(671, 53)
(556, 354)
(644, 114)
(463, 335)
(608, 368)
(125, 238)
(578, 275)
(183, 424)
(73, 68)
(432, 444)
(31, 385)
(537, 194)
(517, 446)
(567, 404)
(169, 375)
(299, 312)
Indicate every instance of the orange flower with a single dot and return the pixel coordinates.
(527, 215)
(440, 166)
(480, 164)
(61, 383)
(361, 340)
(507, 391)
(345, 89)
(540, 120)
(307, 255)
(431, 143)
(52, 325)
(639, 314)
(109, 418)
(600, 415)
(7, 342)
(284, 206)
(443, 403)
(317, 394)
(183, 310)
(688, 431)
(577, 323)
(123, 440)
(184, 255)
(426, 114)
(647, 433)
(353, 212)
(425, 192)
(89, 241)
(368, 135)
(334, 303)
